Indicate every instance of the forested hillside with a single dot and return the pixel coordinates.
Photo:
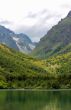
(18, 70)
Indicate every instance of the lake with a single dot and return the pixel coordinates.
(35, 100)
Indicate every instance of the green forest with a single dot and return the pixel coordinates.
(18, 70)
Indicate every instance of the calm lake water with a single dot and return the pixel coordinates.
(35, 100)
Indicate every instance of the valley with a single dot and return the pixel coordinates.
(42, 65)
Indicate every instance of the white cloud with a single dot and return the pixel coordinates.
(34, 17)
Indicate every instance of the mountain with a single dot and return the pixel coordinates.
(24, 43)
(18, 70)
(6, 37)
(20, 42)
(56, 41)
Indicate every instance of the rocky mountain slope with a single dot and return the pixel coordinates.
(19, 42)
(24, 43)
(56, 41)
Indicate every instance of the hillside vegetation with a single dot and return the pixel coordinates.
(18, 70)
(56, 41)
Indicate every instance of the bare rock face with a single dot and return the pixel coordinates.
(20, 42)
(69, 14)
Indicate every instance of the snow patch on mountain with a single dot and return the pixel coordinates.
(32, 46)
(16, 39)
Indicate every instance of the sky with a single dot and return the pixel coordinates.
(32, 17)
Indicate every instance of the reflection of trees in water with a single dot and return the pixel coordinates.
(8, 101)
(14, 96)
(14, 99)
(37, 100)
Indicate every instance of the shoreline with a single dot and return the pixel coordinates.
(35, 90)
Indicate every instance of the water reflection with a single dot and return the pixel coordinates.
(35, 100)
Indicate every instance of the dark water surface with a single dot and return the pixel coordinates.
(35, 100)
